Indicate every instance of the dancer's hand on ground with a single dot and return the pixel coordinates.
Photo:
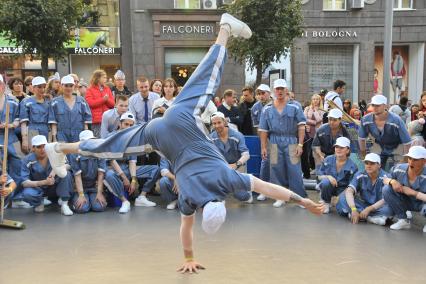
(314, 208)
(190, 267)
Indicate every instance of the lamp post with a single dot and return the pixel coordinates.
(387, 50)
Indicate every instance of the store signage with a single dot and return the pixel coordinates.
(11, 50)
(94, 50)
(187, 29)
(331, 34)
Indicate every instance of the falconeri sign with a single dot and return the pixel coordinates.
(330, 34)
(187, 29)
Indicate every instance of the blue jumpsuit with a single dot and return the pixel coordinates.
(70, 122)
(343, 178)
(234, 147)
(14, 146)
(115, 185)
(401, 203)
(166, 184)
(282, 129)
(366, 194)
(88, 168)
(256, 111)
(193, 156)
(394, 134)
(324, 139)
(36, 115)
(32, 170)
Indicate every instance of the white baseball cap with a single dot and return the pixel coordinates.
(214, 214)
(38, 81)
(343, 142)
(379, 100)
(280, 83)
(264, 88)
(119, 75)
(217, 114)
(335, 113)
(372, 157)
(39, 140)
(67, 80)
(128, 115)
(86, 135)
(416, 152)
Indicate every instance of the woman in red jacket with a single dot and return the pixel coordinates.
(100, 99)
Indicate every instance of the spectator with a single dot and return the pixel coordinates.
(415, 129)
(82, 88)
(217, 101)
(356, 114)
(156, 86)
(231, 112)
(363, 107)
(347, 106)
(422, 104)
(169, 92)
(336, 172)
(28, 85)
(53, 86)
(207, 113)
(16, 86)
(414, 112)
(111, 118)
(245, 111)
(402, 110)
(141, 103)
(77, 85)
(120, 87)
(334, 96)
(99, 98)
(314, 115)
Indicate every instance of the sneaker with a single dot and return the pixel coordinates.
(143, 201)
(21, 204)
(250, 200)
(424, 229)
(401, 224)
(278, 203)
(46, 201)
(326, 209)
(261, 197)
(65, 209)
(39, 209)
(57, 160)
(238, 28)
(172, 205)
(409, 215)
(125, 207)
(378, 220)
(60, 202)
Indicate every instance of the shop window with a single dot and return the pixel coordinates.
(403, 4)
(105, 13)
(187, 4)
(334, 5)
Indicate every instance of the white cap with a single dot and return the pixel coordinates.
(280, 83)
(417, 152)
(1, 78)
(264, 88)
(335, 113)
(38, 81)
(217, 114)
(86, 135)
(379, 100)
(119, 75)
(214, 214)
(39, 140)
(127, 115)
(343, 142)
(67, 80)
(56, 76)
(372, 157)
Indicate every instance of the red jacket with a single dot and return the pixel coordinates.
(97, 104)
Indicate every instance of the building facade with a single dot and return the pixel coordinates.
(343, 39)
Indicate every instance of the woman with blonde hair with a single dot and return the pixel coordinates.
(100, 99)
(314, 115)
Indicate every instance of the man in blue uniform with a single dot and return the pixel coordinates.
(363, 199)
(168, 185)
(193, 156)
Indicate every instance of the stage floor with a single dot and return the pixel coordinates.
(257, 244)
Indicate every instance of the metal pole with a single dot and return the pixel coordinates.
(387, 50)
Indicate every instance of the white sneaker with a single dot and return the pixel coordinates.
(47, 202)
(378, 220)
(326, 209)
(172, 205)
(60, 202)
(250, 200)
(65, 209)
(424, 229)
(238, 28)
(39, 209)
(143, 201)
(261, 197)
(401, 224)
(278, 203)
(57, 160)
(409, 215)
(21, 204)
(125, 207)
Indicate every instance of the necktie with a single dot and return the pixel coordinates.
(145, 117)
